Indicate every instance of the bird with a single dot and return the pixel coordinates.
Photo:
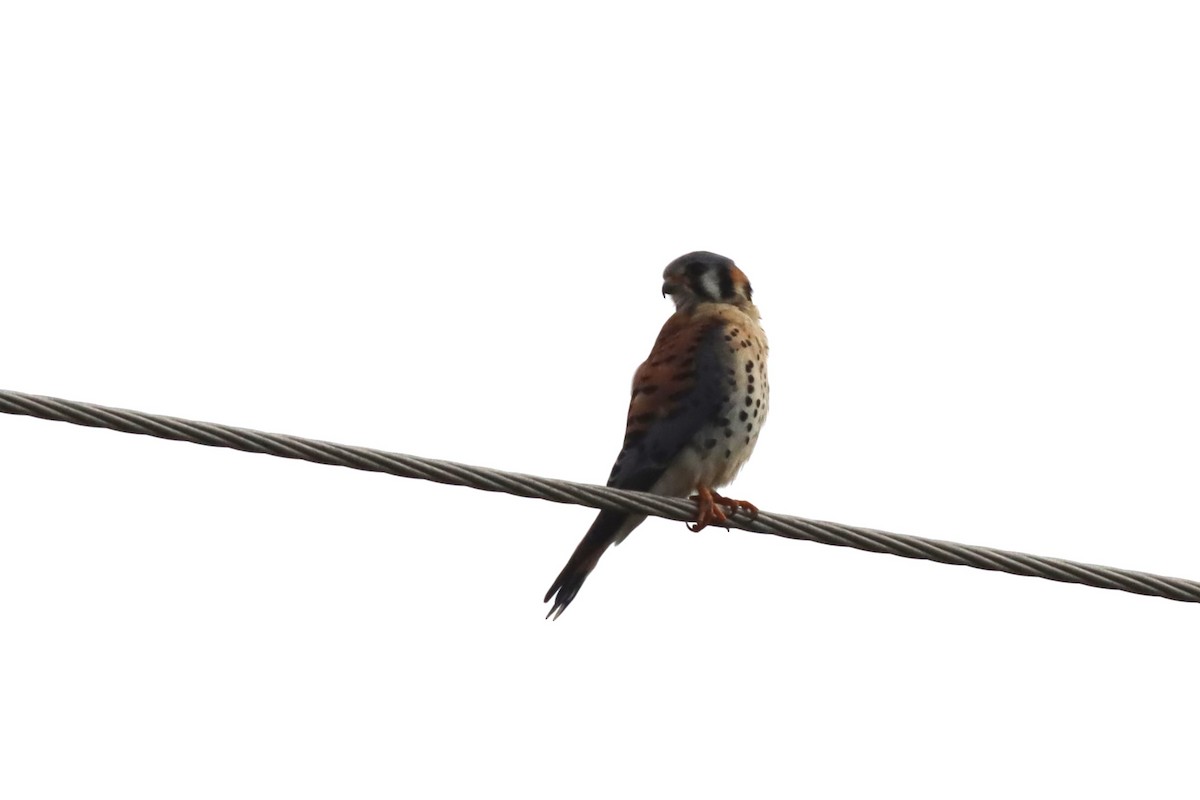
(696, 408)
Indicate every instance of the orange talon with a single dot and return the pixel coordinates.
(733, 506)
(709, 512)
(708, 509)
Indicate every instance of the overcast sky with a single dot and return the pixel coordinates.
(439, 229)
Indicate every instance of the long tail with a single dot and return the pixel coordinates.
(609, 527)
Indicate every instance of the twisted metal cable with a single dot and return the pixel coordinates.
(559, 491)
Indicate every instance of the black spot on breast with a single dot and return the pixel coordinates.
(728, 433)
(750, 389)
(748, 402)
(749, 427)
(747, 440)
(743, 416)
(728, 453)
(723, 421)
(710, 444)
(757, 403)
(749, 367)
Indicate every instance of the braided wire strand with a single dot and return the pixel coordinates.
(560, 491)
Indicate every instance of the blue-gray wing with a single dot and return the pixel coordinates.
(677, 393)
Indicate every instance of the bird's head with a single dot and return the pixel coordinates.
(703, 277)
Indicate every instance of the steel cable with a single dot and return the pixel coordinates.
(560, 491)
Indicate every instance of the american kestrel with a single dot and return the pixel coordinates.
(699, 401)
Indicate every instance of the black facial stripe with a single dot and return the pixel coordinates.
(726, 284)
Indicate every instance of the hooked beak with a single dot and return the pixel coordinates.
(670, 286)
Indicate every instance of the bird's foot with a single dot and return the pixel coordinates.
(709, 511)
(734, 505)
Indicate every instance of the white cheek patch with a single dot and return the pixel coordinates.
(710, 285)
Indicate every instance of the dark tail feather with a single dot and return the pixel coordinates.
(605, 530)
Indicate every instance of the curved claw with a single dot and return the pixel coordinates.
(709, 511)
(733, 506)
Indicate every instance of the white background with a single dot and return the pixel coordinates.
(439, 229)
